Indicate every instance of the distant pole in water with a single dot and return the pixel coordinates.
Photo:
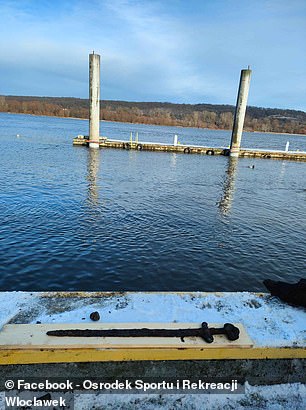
(175, 140)
(241, 104)
(94, 100)
(287, 146)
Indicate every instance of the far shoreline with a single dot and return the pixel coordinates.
(157, 125)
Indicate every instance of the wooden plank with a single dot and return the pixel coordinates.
(25, 336)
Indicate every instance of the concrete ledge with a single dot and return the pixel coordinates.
(257, 372)
(269, 322)
(277, 330)
(73, 355)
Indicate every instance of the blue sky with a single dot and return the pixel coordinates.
(186, 51)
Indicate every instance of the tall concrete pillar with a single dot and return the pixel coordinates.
(94, 100)
(241, 104)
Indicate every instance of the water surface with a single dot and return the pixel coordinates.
(80, 219)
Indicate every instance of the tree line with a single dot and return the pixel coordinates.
(186, 115)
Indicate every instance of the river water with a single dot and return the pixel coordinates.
(79, 219)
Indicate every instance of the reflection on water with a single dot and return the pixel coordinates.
(283, 170)
(173, 159)
(92, 176)
(226, 200)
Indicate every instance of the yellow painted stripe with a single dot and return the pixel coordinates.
(31, 356)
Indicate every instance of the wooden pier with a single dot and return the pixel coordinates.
(192, 149)
(234, 150)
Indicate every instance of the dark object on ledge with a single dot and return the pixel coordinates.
(94, 316)
(292, 293)
(205, 332)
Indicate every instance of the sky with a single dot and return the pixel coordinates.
(180, 51)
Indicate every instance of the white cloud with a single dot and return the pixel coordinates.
(157, 50)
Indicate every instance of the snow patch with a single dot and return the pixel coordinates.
(268, 321)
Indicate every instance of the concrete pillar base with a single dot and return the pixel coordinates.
(94, 145)
(234, 154)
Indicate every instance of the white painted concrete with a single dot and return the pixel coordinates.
(94, 145)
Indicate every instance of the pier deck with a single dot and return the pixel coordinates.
(192, 149)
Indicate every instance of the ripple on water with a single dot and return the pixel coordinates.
(73, 219)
